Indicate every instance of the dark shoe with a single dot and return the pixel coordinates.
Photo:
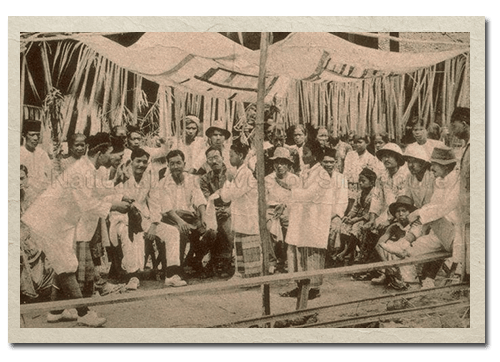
(396, 283)
(314, 293)
(294, 293)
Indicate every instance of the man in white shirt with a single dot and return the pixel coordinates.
(241, 191)
(279, 186)
(185, 207)
(144, 191)
(35, 159)
(193, 146)
(441, 214)
(54, 217)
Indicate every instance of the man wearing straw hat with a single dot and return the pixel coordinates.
(420, 186)
(217, 136)
(278, 189)
(440, 214)
(35, 159)
(460, 123)
(390, 185)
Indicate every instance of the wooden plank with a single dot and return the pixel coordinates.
(245, 323)
(227, 285)
(348, 322)
(259, 149)
(303, 296)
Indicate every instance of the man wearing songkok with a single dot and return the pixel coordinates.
(185, 207)
(146, 195)
(460, 123)
(55, 215)
(35, 159)
(210, 184)
(278, 191)
(241, 191)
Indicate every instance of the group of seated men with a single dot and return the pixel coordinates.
(191, 205)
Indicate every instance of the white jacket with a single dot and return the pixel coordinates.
(243, 195)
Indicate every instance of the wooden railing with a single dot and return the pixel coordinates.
(231, 285)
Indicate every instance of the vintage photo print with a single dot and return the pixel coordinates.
(180, 185)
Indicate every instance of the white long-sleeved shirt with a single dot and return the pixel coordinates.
(243, 195)
(39, 167)
(445, 200)
(313, 205)
(387, 189)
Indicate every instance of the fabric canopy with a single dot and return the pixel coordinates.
(213, 65)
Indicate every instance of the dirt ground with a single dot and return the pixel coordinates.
(223, 307)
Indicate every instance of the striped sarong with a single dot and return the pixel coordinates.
(304, 259)
(85, 272)
(248, 255)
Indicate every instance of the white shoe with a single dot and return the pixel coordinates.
(66, 316)
(91, 319)
(133, 284)
(175, 281)
(428, 283)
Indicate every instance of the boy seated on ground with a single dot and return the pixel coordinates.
(395, 242)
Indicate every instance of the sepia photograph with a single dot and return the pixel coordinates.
(272, 180)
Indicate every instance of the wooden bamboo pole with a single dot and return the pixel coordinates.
(259, 140)
(23, 79)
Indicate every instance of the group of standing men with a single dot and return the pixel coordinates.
(204, 200)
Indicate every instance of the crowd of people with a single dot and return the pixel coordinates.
(188, 209)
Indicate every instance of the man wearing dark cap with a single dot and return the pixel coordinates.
(54, 217)
(460, 125)
(397, 240)
(35, 159)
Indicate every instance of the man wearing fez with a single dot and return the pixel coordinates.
(57, 212)
(35, 159)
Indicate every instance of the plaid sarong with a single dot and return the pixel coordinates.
(304, 259)
(85, 271)
(248, 255)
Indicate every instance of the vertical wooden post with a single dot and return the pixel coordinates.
(259, 140)
(394, 45)
(23, 72)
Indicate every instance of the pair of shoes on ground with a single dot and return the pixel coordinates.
(91, 319)
(175, 281)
